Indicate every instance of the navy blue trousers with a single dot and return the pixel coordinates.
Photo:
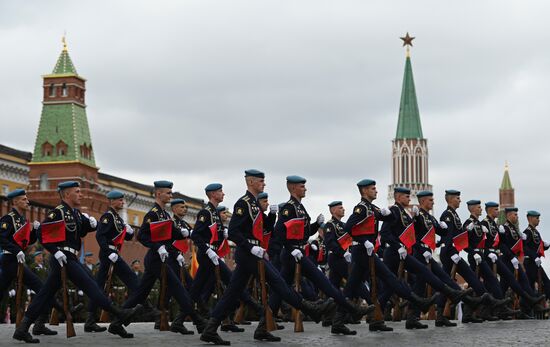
(489, 279)
(463, 270)
(532, 274)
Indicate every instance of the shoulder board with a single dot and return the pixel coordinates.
(11, 214)
(154, 209)
(246, 198)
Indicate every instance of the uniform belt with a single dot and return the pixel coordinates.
(254, 242)
(492, 249)
(355, 243)
(113, 247)
(6, 252)
(69, 249)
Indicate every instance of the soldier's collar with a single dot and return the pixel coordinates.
(113, 211)
(532, 227)
(472, 217)
(17, 214)
(423, 211)
(250, 195)
(449, 208)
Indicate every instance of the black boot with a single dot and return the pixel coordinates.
(122, 317)
(359, 311)
(22, 332)
(468, 315)
(178, 327)
(379, 326)
(314, 310)
(230, 326)
(40, 328)
(198, 321)
(338, 326)
(474, 301)
(441, 320)
(485, 313)
(210, 333)
(532, 300)
(262, 334)
(423, 304)
(413, 322)
(90, 326)
(494, 302)
(455, 295)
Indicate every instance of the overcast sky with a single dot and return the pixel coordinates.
(198, 91)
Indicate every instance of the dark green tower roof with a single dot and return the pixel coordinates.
(408, 126)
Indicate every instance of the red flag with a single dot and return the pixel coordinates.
(214, 233)
(295, 229)
(377, 244)
(364, 227)
(223, 249)
(540, 250)
(321, 254)
(181, 245)
(518, 247)
(161, 230)
(496, 241)
(460, 241)
(429, 238)
(408, 237)
(258, 227)
(53, 232)
(22, 235)
(481, 244)
(265, 240)
(118, 241)
(345, 241)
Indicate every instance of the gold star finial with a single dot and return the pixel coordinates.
(407, 42)
(63, 39)
(506, 166)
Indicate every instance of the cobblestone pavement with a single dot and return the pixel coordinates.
(502, 333)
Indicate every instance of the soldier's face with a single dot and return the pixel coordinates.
(179, 210)
(39, 259)
(88, 260)
(534, 221)
(512, 217)
(453, 201)
(218, 195)
(300, 190)
(264, 203)
(426, 203)
(164, 195)
(403, 199)
(475, 210)
(224, 216)
(492, 212)
(73, 196)
(21, 203)
(136, 266)
(257, 184)
(338, 211)
(117, 204)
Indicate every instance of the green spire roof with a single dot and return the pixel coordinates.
(408, 126)
(64, 65)
(506, 182)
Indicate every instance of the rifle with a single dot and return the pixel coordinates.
(515, 305)
(270, 323)
(540, 289)
(104, 316)
(397, 314)
(447, 309)
(239, 315)
(429, 292)
(182, 276)
(298, 323)
(19, 294)
(219, 289)
(378, 316)
(164, 326)
(68, 315)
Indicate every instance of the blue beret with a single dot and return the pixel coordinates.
(212, 187)
(163, 184)
(424, 193)
(114, 194)
(36, 253)
(177, 201)
(221, 208)
(295, 179)
(254, 173)
(366, 182)
(335, 203)
(491, 204)
(88, 254)
(473, 202)
(67, 184)
(532, 213)
(15, 193)
(402, 190)
(262, 195)
(510, 209)
(452, 192)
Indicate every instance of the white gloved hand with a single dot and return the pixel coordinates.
(515, 263)
(61, 258)
(214, 257)
(163, 253)
(546, 244)
(443, 225)
(470, 227)
(225, 233)
(523, 236)
(347, 256)
(538, 261)
(181, 260)
(493, 257)
(415, 211)
(369, 246)
(297, 254)
(11, 293)
(314, 247)
(113, 257)
(20, 257)
(184, 232)
(427, 255)
(80, 293)
(258, 251)
(93, 222)
(36, 225)
(385, 211)
(273, 208)
(501, 229)
(484, 228)
(320, 219)
(477, 258)
(402, 253)
(129, 229)
(456, 258)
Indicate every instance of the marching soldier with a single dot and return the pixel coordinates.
(111, 234)
(16, 234)
(61, 236)
(157, 232)
(534, 248)
(246, 230)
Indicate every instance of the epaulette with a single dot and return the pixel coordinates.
(154, 209)
(246, 198)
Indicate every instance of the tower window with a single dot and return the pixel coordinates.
(64, 90)
(44, 181)
(52, 90)
(47, 149)
(61, 148)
